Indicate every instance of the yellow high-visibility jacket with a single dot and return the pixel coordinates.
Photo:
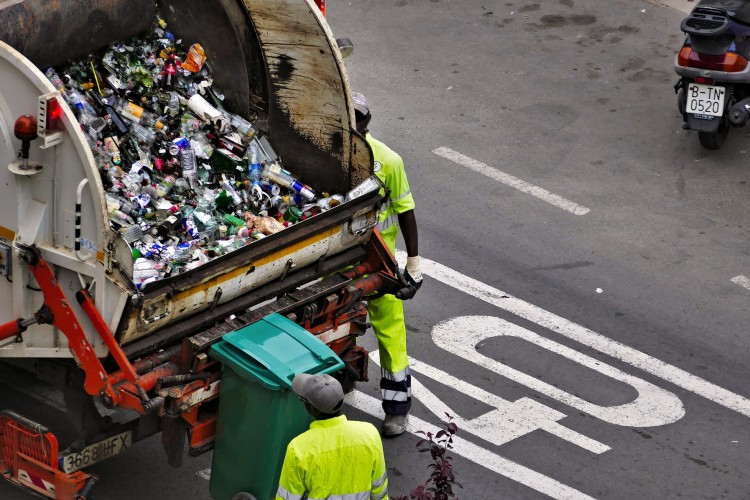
(389, 167)
(336, 459)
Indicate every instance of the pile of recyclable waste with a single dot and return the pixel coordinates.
(186, 180)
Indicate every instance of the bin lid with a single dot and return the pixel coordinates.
(273, 350)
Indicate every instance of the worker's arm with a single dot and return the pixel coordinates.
(408, 224)
(291, 485)
(379, 490)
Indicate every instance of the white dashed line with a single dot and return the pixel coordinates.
(204, 474)
(511, 181)
(741, 280)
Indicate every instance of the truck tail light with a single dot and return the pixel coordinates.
(321, 5)
(49, 119)
(54, 116)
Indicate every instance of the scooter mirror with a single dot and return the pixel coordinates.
(346, 47)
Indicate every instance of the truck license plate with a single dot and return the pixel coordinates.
(705, 99)
(97, 452)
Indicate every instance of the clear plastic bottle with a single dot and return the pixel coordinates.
(236, 198)
(243, 126)
(282, 177)
(118, 216)
(53, 77)
(202, 147)
(92, 124)
(137, 114)
(79, 103)
(255, 170)
(171, 102)
(142, 134)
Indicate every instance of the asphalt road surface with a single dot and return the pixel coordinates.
(585, 307)
(588, 253)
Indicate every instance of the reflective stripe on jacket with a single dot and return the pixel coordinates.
(336, 459)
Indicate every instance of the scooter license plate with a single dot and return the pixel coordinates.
(705, 99)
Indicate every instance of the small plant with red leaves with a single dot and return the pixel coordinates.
(439, 486)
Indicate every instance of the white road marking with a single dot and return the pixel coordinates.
(508, 421)
(511, 181)
(204, 474)
(653, 406)
(477, 454)
(741, 280)
(583, 335)
(685, 6)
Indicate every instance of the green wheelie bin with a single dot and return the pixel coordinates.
(258, 412)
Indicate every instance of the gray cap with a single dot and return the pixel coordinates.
(360, 103)
(322, 391)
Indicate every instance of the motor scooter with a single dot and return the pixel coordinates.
(713, 93)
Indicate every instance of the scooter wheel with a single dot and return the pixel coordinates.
(714, 140)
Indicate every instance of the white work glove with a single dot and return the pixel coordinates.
(412, 273)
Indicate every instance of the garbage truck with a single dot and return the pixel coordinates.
(71, 313)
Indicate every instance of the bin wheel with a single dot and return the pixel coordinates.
(243, 495)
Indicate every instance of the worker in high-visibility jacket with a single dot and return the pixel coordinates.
(387, 312)
(336, 457)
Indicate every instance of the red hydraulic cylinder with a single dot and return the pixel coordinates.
(11, 329)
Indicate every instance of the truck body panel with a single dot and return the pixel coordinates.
(281, 67)
(70, 313)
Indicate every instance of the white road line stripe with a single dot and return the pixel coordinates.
(583, 335)
(511, 181)
(685, 6)
(204, 474)
(741, 280)
(476, 454)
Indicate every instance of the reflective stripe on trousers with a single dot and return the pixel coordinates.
(395, 389)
